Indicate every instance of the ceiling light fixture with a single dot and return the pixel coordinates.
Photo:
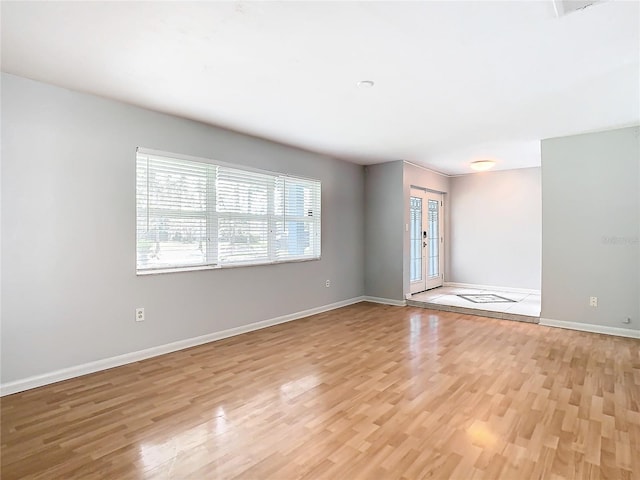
(482, 165)
(365, 84)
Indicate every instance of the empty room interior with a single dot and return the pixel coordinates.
(300, 240)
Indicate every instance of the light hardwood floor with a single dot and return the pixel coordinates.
(366, 391)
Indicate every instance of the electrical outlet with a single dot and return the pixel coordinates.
(139, 314)
(327, 283)
(593, 301)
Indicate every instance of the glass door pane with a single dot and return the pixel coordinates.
(416, 239)
(434, 238)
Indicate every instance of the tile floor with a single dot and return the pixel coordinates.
(524, 305)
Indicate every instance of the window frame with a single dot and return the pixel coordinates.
(212, 217)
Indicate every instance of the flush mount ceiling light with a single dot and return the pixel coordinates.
(482, 165)
(365, 84)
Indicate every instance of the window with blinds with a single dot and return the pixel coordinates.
(195, 214)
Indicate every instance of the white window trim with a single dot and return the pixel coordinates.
(212, 219)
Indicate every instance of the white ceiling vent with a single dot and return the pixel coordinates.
(564, 7)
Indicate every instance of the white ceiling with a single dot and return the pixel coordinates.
(454, 81)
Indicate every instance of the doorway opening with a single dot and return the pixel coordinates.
(426, 240)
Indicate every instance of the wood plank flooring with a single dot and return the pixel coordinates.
(366, 391)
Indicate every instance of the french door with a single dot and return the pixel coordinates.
(426, 240)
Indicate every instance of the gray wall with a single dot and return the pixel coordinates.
(496, 228)
(383, 230)
(69, 287)
(414, 176)
(387, 196)
(590, 212)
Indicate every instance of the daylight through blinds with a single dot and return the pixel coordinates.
(193, 214)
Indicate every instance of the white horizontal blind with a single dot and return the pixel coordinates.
(172, 208)
(194, 214)
(243, 200)
(298, 225)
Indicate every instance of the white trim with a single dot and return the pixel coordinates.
(217, 266)
(385, 301)
(429, 190)
(491, 287)
(588, 327)
(106, 363)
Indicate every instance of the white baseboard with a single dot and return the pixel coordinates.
(491, 287)
(385, 301)
(588, 327)
(104, 364)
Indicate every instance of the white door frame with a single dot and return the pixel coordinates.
(417, 269)
(426, 271)
(435, 240)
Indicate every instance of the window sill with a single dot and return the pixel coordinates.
(196, 268)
